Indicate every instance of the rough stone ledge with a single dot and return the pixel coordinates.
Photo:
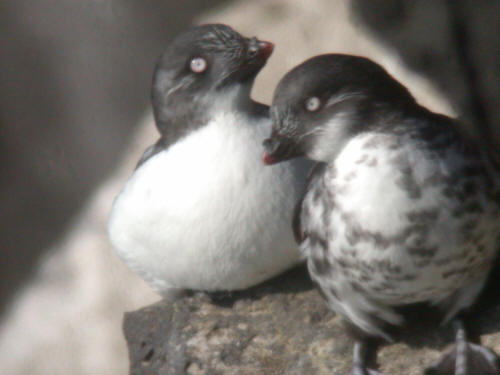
(280, 327)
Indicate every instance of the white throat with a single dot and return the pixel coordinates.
(330, 138)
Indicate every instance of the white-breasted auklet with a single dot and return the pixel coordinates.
(201, 211)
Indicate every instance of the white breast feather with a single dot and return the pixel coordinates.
(206, 213)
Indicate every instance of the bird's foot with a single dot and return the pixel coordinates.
(466, 358)
(359, 356)
(478, 360)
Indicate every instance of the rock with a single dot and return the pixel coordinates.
(269, 329)
(76, 79)
(280, 327)
(454, 43)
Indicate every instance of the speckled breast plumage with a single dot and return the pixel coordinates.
(399, 219)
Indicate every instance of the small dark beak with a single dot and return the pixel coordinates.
(259, 50)
(265, 49)
(257, 53)
(277, 150)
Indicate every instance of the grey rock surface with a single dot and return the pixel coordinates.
(280, 327)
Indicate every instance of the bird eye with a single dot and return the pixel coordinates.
(252, 51)
(198, 65)
(312, 104)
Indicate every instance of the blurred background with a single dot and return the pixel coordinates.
(75, 117)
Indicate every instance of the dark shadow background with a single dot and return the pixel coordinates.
(455, 43)
(74, 80)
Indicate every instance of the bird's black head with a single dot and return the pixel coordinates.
(326, 100)
(199, 67)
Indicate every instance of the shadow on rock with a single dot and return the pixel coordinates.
(295, 280)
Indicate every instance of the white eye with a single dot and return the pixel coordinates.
(252, 51)
(198, 65)
(312, 104)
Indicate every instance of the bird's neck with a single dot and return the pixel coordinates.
(179, 118)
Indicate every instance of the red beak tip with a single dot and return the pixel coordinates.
(268, 159)
(267, 48)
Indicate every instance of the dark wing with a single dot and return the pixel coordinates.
(316, 172)
(151, 151)
(258, 109)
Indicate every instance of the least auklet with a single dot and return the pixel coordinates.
(402, 206)
(200, 211)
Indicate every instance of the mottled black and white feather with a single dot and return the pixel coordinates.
(403, 208)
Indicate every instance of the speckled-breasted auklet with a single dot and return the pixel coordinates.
(201, 211)
(402, 207)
